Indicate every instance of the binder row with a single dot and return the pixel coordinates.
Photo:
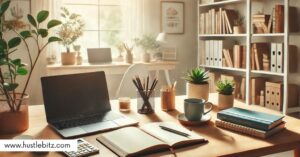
(277, 57)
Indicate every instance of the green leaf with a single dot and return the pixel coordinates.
(3, 44)
(14, 42)
(4, 6)
(43, 32)
(22, 71)
(53, 23)
(31, 20)
(16, 62)
(10, 86)
(3, 61)
(42, 16)
(25, 34)
(54, 39)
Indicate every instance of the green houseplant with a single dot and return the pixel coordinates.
(70, 30)
(197, 83)
(149, 44)
(225, 89)
(14, 99)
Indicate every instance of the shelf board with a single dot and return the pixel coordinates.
(222, 35)
(224, 68)
(269, 35)
(267, 73)
(220, 3)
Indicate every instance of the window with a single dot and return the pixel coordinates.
(103, 23)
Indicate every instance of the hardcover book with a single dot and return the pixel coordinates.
(253, 119)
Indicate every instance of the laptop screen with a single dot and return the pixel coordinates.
(75, 96)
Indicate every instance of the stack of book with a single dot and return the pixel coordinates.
(260, 56)
(217, 21)
(253, 123)
(262, 23)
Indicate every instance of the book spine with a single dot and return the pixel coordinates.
(243, 121)
(241, 129)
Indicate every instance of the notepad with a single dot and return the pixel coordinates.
(149, 138)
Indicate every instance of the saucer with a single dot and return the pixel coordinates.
(183, 120)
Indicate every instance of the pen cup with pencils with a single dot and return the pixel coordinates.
(146, 94)
(167, 97)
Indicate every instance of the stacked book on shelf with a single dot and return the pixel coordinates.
(253, 123)
(217, 21)
(260, 54)
(274, 22)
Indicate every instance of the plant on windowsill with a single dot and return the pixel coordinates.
(149, 44)
(226, 98)
(70, 30)
(14, 99)
(197, 83)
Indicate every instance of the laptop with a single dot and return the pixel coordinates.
(78, 104)
(99, 55)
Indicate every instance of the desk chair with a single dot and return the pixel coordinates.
(126, 87)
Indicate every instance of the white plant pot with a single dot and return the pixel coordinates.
(146, 57)
(225, 101)
(199, 91)
(238, 29)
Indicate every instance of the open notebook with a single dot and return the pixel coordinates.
(149, 138)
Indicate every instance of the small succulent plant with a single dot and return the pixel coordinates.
(197, 76)
(225, 87)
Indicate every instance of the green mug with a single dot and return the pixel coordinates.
(194, 109)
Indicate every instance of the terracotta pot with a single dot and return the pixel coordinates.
(146, 57)
(238, 29)
(225, 101)
(199, 91)
(128, 58)
(14, 121)
(68, 58)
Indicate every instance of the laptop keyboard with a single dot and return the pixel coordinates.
(88, 120)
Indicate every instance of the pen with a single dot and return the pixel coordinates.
(174, 131)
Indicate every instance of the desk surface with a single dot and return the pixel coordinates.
(221, 142)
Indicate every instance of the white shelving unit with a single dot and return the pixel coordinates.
(248, 38)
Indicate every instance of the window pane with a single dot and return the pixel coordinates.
(80, 1)
(110, 18)
(110, 2)
(111, 39)
(91, 22)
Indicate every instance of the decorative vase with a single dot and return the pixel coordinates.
(128, 58)
(225, 101)
(68, 58)
(238, 29)
(146, 57)
(198, 91)
(78, 59)
(14, 121)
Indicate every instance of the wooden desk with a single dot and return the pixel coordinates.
(221, 142)
(110, 69)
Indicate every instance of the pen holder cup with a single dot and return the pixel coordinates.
(145, 102)
(167, 99)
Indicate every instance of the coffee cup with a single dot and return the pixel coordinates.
(194, 109)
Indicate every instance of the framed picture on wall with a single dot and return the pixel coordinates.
(16, 14)
(172, 17)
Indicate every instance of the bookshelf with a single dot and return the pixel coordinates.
(246, 8)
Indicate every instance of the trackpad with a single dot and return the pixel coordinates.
(101, 126)
(69, 132)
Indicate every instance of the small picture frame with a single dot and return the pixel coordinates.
(172, 17)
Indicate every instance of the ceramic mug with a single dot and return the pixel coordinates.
(194, 109)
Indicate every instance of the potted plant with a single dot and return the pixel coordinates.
(197, 83)
(149, 44)
(238, 27)
(225, 89)
(14, 99)
(128, 57)
(70, 30)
